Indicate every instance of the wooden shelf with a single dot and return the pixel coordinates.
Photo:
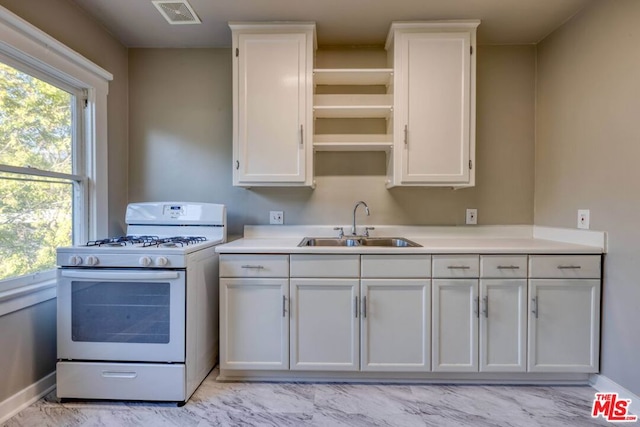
(352, 106)
(352, 142)
(353, 76)
(353, 112)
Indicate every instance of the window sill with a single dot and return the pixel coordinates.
(25, 296)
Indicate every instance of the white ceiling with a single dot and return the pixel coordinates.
(137, 23)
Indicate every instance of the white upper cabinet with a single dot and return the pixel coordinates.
(434, 103)
(272, 104)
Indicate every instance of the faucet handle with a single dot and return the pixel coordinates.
(341, 231)
(366, 231)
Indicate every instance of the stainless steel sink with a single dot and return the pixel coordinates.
(328, 241)
(389, 242)
(395, 242)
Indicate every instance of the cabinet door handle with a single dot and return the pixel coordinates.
(568, 267)
(259, 267)
(284, 306)
(534, 303)
(508, 267)
(301, 135)
(355, 306)
(364, 307)
(485, 309)
(406, 135)
(458, 267)
(476, 308)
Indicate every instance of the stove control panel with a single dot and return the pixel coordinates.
(115, 258)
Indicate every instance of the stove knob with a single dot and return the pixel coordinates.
(75, 260)
(92, 260)
(161, 261)
(145, 261)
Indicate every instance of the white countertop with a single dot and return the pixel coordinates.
(434, 240)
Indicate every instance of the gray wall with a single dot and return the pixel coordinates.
(27, 337)
(69, 24)
(27, 347)
(587, 152)
(180, 148)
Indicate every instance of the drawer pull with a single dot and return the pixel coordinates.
(284, 306)
(119, 374)
(534, 303)
(458, 267)
(476, 308)
(508, 267)
(485, 309)
(259, 267)
(568, 267)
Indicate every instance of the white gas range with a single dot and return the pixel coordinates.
(138, 314)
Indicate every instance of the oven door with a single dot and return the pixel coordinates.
(121, 315)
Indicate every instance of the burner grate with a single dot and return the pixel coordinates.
(147, 241)
(122, 241)
(175, 241)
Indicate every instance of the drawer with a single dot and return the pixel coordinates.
(396, 266)
(503, 266)
(564, 266)
(254, 265)
(325, 265)
(121, 381)
(456, 266)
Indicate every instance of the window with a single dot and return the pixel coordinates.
(42, 188)
(53, 158)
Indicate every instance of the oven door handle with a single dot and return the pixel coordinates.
(117, 275)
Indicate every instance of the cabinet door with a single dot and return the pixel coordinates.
(272, 108)
(432, 115)
(254, 324)
(564, 319)
(503, 325)
(396, 325)
(324, 324)
(455, 325)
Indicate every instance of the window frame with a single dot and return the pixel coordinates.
(31, 50)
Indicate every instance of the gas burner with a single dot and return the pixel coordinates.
(122, 241)
(172, 242)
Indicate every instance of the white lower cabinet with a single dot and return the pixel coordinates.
(503, 325)
(396, 325)
(455, 325)
(410, 313)
(564, 321)
(325, 324)
(254, 323)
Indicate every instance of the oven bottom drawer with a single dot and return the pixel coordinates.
(121, 381)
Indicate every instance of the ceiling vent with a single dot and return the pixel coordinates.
(177, 12)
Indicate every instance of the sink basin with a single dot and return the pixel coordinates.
(389, 242)
(328, 241)
(395, 242)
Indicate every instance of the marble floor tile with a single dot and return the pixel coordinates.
(330, 405)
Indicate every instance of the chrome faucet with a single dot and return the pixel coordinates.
(366, 209)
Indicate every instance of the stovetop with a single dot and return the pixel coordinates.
(147, 241)
(159, 235)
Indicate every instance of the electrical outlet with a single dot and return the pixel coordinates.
(276, 217)
(583, 219)
(472, 217)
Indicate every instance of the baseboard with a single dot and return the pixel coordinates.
(27, 396)
(604, 384)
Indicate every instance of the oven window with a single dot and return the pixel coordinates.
(120, 312)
